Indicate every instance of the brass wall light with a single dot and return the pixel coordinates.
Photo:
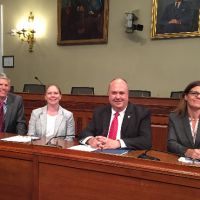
(27, 34)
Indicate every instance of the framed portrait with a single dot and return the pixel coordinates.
(175, 19)
(82, 22)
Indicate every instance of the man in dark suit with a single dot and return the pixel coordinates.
(11, 105)
(133, 127)
(177, 17)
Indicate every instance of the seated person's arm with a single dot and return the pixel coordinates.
(32, 124)
(173, 144)
(143, 138)
(21, 121)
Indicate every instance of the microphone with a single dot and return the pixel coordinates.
(36, 78)
(33, 138)
(145, 156)
(68, 138)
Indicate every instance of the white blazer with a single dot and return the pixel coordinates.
(64, 124)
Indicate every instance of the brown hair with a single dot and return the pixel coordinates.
(182, 106)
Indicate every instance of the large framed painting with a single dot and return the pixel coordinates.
(175, 19)
(82, 21)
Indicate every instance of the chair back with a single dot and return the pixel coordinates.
(82, 90)
(139, 93)
(12, 89)
(34, 88)
(176, 94)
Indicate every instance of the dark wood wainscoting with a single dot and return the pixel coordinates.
(83, 106)
(39, 172)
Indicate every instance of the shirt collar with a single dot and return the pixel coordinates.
(120, 113)
(5, 100)
(177, 3)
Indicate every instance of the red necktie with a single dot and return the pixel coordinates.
(1, 117)
(114, 127)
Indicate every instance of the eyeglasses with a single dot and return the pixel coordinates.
(194, 93)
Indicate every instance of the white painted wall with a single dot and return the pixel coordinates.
(1, 36)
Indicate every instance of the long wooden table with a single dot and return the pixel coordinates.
(83, 106)
(38, 172)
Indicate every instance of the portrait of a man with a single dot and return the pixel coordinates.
(177, 16)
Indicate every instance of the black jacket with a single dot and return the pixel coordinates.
(135, 130)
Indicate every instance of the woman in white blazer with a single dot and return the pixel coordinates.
(51, 120)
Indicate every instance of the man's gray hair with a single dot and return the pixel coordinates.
(4, 76)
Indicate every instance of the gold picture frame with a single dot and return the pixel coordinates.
(164, 25)
(82, 22)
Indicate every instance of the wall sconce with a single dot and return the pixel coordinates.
(130, 26)
(27, 33)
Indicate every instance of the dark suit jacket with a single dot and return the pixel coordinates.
(14, 118)
(184, 14)
(135, 130)
(180, 135)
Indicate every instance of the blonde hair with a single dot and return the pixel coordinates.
(55, 86)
